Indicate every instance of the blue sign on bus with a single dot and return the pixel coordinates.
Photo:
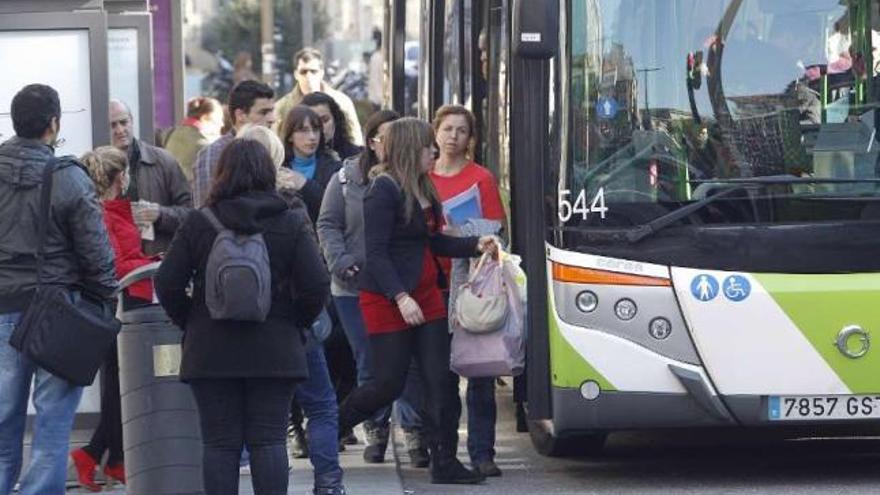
(606, 108)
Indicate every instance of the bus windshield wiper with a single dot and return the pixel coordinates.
(641, 232)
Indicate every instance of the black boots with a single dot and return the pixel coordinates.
(377, 442)
(447, 470)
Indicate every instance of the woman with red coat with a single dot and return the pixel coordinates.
(107, 167)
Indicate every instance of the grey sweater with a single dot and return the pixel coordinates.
(341, 227)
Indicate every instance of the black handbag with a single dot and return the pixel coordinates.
(65, 331)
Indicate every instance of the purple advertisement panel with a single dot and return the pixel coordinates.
(163, 57)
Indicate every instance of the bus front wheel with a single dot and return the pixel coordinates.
(579, 445)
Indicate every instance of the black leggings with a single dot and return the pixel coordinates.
(108, 434)
(429, 345)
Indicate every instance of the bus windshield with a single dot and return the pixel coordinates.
(670, 102)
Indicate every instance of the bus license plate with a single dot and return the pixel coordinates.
(801, 408)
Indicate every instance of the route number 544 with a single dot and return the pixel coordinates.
(568, 209)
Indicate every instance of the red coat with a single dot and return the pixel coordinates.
(126, 242)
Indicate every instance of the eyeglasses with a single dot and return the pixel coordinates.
(377, 140)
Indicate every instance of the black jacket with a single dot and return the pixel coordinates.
(313, 192)
(300, 287)
(395, 249)
(77, 246)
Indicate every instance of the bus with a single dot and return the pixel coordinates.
(693, 187)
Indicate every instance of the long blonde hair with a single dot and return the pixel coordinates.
(104, 165)
(404, 142)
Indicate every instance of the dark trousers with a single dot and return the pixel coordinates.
(244, 412)
(429, 345)
(108, 434)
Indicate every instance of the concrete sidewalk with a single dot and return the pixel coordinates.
(360, 478)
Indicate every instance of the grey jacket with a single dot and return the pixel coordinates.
(77, 245)
(341, 227)
(160, 180)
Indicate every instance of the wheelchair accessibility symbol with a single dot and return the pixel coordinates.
(736, 288)
(704, 287)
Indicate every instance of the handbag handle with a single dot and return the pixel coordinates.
(43, 227)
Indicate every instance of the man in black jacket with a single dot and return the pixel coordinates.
(77, 253)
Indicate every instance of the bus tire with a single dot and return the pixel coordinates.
(581, 445)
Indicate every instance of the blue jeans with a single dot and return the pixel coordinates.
(408, 407)
(238, 412)
(56, 401)
(318, 401)
(482, 413)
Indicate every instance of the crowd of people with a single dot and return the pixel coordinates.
(353, 233)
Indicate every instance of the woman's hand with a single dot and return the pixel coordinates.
(410, 310)
(488, 244)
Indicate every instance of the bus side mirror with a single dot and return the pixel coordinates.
(536, 28)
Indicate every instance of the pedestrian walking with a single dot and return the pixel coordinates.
(107, 167)
(308, 73)
(157, 187)
(78, 254)
(315, 395)
(250, 102)
(201, 127)
(341, 235)
(468, 191)
(337, 131)
(244, 371)
(306, 151)
(400, 296)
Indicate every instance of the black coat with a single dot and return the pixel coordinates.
(395, 248)
(300, 287)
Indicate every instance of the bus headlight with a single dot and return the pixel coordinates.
(660, 328)
(587, 301)
(625, 309)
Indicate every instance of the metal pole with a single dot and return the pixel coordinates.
(267, 24)
(308, 23)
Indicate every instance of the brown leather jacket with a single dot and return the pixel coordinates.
(160, 180)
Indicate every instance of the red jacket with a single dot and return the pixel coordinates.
(126, 242)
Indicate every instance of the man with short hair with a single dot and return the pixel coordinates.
(77, 253)
(157, 188)
(250, 102)
(308, 71)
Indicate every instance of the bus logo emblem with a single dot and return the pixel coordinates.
(704, 287)
(853, 334)
(737, 288)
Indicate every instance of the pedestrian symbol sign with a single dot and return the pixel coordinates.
(737, 288)
(606, 108)
(704, 287)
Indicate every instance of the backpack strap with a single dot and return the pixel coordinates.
(213, 220)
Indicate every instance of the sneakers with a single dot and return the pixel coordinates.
(377, 443)
(299, 447)
(488, 469)
(85, 469)
(415, 447)
(452, 472)
(117, 472)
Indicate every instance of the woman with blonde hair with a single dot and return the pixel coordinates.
(400, 297)
(107, 167)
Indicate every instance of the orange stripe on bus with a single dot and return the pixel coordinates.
(575, 274)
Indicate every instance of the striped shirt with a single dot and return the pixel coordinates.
(203, 169)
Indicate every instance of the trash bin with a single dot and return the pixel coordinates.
(160, 421)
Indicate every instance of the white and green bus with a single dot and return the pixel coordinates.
(694, 188)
